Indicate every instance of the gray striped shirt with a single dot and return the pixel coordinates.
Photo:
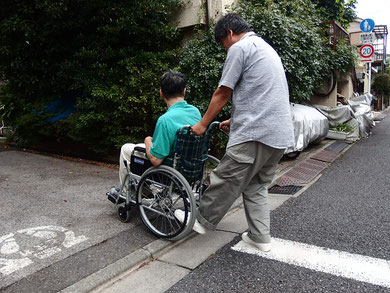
(260, 105)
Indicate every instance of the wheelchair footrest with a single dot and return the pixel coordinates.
(113, 197)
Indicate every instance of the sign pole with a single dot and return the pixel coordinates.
(369, 77)
(367, 50)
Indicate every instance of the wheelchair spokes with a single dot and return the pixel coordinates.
(160, 192)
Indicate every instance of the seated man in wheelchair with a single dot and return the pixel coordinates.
(160, 147)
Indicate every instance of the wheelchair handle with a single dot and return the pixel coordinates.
(140, 149)
(209, 128)
(213, 124)
(216, 123)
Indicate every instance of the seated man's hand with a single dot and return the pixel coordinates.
(199, 129)
(148, 140)
(148, 144)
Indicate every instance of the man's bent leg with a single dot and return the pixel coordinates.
(255, 198)
(226, 184)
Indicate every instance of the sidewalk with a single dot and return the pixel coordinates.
(160, 264)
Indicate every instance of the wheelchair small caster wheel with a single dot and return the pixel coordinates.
(124, 214)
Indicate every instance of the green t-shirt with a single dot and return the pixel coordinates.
(167, 126)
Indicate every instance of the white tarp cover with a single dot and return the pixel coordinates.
(310, 126)
(361, 106)
(339, 114)
(357, 110)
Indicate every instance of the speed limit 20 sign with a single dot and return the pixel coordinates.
(366, 51)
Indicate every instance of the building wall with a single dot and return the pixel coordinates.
(345, 86)
(194, 11)
(355, 32)
(191, 14)
(330, 101)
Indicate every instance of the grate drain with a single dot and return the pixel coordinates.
(325, 156)
(303, 173)
(337, 147)
(288, 190)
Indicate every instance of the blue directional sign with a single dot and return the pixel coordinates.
(367, 25)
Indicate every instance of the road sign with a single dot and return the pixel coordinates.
(367, 38)
(366, 51)
(367, 25)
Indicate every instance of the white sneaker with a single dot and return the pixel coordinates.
(265, 247)
(198, 227)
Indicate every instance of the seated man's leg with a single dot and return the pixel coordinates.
(126, 151)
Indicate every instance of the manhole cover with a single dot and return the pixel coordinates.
(289, 189)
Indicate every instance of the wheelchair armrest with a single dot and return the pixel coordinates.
(140, 149)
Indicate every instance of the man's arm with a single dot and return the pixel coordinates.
(148, 144)
(219, 99)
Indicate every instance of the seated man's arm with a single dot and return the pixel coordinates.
(148, 144)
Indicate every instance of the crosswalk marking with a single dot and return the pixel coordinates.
(353, 266)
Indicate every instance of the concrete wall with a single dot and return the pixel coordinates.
(191, 14)
(330, 101)
(194, 11)
(355, 32)
(345, 86)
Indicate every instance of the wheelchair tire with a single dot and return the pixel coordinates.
(124, 213)
(162, 190)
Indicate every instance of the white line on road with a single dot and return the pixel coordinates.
(353, 266)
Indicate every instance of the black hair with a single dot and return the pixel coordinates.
(230, 21)
(172, 84)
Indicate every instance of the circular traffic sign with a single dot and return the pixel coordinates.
(366, 51)
(367, 25)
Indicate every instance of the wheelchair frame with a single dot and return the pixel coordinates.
(160, 190)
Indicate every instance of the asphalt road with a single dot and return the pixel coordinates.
(346, 210)
(57, 225)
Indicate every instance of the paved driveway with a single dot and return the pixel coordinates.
(56, 223)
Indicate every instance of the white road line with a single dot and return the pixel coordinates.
(353, 266)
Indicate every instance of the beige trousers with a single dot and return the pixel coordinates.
(247, 168)
(126, 151)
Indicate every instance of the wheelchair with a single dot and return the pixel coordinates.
(159, 191)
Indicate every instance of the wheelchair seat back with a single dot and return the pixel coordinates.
(190, 154)
(138, 165)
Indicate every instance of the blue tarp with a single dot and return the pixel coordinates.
(60, 108)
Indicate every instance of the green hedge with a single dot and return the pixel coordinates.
(381, 85)
(109, 55)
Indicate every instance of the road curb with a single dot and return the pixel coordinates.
(128, 263)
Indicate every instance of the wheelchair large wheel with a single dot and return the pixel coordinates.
(160, 192)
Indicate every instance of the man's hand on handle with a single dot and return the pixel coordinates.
(199, 129)
(225, 125)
